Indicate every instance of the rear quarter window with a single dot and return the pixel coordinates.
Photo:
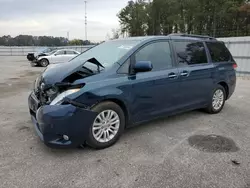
(219, 52)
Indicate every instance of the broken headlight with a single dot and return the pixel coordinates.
(61, 96)
(52, 91)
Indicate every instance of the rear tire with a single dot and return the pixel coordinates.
(44, 62)
(105, 130)
(217, 100)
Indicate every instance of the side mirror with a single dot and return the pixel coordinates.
(143, 66)
(55, 54)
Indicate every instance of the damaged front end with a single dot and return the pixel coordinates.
(62, 125)
(59, 120)
(58, 81)
(30, 56)
(33, 57)
(53, 94)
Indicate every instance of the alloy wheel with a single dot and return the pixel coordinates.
(218, 99)
(106, 126)
(44, 63)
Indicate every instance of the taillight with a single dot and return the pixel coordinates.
(235, 66)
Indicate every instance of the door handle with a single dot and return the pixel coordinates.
(172, 75)
(184, 73)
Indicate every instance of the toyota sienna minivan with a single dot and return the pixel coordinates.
(120, 83)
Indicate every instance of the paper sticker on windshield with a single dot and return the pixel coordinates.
(125, 47)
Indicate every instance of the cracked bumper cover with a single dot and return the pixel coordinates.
(52, 122)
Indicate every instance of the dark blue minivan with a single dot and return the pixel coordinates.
(120, 83)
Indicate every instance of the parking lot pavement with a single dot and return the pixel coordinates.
(170, 152)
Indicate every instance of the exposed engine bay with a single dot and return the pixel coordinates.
(31, 56)
(46, 93)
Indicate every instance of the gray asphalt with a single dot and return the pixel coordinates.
(168, 152)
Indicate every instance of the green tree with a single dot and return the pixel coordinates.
(219, 18)
(133, 18)
(29, 40)
(76, 42)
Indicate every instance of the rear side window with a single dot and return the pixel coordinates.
(218, 52)
(61, 52)
(190, 53)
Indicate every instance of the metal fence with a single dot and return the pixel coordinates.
(24, 50)
(238, 46)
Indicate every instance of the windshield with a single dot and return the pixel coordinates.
(54, 51)
(45, 50)
(107, 53)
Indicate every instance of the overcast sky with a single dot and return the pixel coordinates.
(56, 17)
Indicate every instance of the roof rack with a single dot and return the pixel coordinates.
(191, 35)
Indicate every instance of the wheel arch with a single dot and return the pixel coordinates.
(43, 59)
(225, 86)
(122, 105)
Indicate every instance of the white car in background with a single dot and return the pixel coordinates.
(56, 56)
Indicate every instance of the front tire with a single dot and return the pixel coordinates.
(107, 126)
(44, 63)
(217, 100)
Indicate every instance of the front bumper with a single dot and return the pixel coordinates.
(52, 122)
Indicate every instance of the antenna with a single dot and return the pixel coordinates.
(86, 32)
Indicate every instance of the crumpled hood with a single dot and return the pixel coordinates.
(40, 54)
(58, 72)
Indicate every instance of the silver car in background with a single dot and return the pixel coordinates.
(54, 57)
